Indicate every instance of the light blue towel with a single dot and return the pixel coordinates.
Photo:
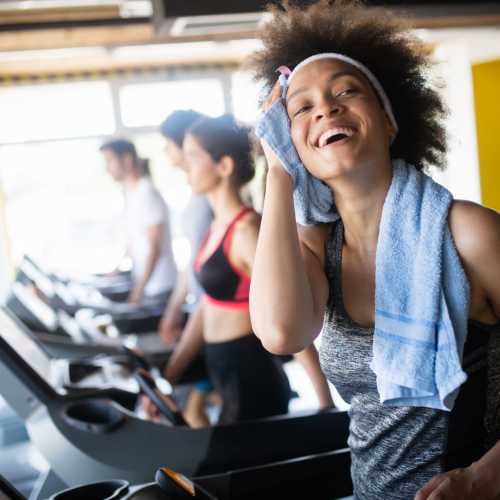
(421, 292)
(421, 296)
(312, 199)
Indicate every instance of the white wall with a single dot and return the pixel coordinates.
(457, 50)
(462, 174)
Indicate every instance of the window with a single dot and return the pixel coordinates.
(147, 104)
(244, 97)
(61, 205)
(57, 110)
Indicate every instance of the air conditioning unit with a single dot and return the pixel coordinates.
(212, 25)
(183, 18)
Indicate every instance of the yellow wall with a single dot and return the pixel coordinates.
(486, 78)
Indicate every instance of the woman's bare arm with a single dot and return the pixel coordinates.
(289, 290)
(189, 346)
(309, 360)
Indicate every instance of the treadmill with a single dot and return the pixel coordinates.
(73, 338)
(115, 287)
(77, 355)
(322, 477)
(72, 297)
(91, 435)
(65, 338)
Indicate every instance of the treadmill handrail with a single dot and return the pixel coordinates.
(45, 393)
(121, 397)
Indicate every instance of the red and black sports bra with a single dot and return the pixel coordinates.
(223, 283)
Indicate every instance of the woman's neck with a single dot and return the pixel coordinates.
(225, 202)
(359, 199)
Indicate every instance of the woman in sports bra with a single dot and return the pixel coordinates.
(250, 380)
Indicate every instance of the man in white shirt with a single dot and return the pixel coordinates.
(147, 222)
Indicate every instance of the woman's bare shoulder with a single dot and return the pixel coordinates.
(249, 222)
(475, 230)
(247, 228)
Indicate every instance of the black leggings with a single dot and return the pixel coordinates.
(250, 380)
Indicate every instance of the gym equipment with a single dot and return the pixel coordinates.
(91, 435)
(71, 297)
(68, 337)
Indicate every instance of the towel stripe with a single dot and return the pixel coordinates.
(408, 319)
(423, 344)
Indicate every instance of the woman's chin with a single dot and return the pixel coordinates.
(331, 171)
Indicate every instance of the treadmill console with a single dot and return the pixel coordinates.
(34, 273)
(40, 316)
(40, 311)
(18, 338)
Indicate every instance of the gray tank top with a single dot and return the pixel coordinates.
(396, 450)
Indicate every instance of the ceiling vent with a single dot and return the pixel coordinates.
(212, 25)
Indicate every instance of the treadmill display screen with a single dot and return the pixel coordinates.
(25, 346)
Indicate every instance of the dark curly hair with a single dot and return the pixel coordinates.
(381, 42)
(222, 136)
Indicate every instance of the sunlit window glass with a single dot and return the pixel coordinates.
(62, 207)
(244, 97)
(147, 104)
(56, 110)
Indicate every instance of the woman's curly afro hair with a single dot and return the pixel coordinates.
(380, 41)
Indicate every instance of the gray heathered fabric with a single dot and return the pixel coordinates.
(395, 450)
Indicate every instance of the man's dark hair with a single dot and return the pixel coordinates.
(380, 41)
(176, 124)
(120, 147)
(221, 137)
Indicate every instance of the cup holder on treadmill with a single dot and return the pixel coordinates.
(94, 415)
(104, 490)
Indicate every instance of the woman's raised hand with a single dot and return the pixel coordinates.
(273, 96)
(271, 158)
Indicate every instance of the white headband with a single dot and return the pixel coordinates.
(361, 67)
